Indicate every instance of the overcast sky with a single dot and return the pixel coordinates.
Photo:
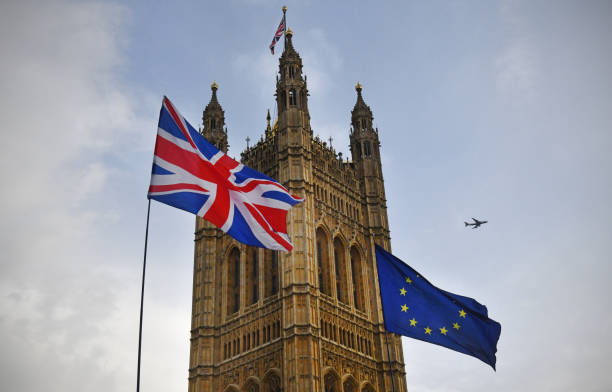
(499, 110)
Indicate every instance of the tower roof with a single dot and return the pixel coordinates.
(289, 52)
(213, 105)
(360, 109)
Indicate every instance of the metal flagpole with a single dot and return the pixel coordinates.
(389, 356)
(285, 20)
(144, 265)
(386, 333)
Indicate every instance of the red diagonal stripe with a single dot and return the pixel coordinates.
(262, 223)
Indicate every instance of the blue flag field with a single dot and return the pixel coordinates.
(415, 308)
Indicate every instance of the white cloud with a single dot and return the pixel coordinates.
(517, 64)
(64, 112)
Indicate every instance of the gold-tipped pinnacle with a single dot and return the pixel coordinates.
(358, 86)
(214, 85)
(284, 8)
(289, 32)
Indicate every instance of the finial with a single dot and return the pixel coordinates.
(248, 139)
(358, 86)
(289, 33)
(268, 117)
(284, 9)
(214, 86)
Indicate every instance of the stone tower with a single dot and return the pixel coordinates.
(309, 320)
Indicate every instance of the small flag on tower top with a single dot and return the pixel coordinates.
(282, 26)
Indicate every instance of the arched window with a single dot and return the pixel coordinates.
(292, 98)
(270, 268)
(350, 385)
(331, 382)
(357, 275)
(366, 149)
(251, 386)
(323, 262)
(340, 263)
(252, 275)
(233, 281)
(272, 383)
(368, 388)
(213, 123)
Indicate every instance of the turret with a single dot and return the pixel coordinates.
(213, 120)
(291, 89)
(365, 149)
(363, 138)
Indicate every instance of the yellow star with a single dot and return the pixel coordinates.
(404, 308)
(427, 331)
(418, 276)
(456, 326)
(462, 313)
(403, 291)
(413, 322)
(443, 330)
(408, 280)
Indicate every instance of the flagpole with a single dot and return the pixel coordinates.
(389, 356)
(386, 332)
(144, 265)
(285, 19)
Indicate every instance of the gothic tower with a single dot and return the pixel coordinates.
(309, 320)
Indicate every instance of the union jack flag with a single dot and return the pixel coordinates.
(278, 34)
(191, 174)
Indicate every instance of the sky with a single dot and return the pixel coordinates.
(495, 110)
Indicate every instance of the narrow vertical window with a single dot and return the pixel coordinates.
(233, 281)
(292, 98)
(252, 276)
(366, 149)
(340, 263)
(323, 267)
(270, 268)
(357, 275)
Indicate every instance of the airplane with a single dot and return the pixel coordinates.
(476, 223)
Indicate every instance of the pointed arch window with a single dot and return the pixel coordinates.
(331, 382)
(270, 272)
(323, 266)
(366, 149)
(272, 383)
(233, 281)
(357, 275)
(213, 123)
(340, 264)
(292, 97)
(252, 276)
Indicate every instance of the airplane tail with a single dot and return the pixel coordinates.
(466, 224)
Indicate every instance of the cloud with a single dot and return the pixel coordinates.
(516, 66)
(64, 114)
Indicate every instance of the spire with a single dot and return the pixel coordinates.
(268, 127)
(291, 88)
(289, 52)
(213, 119)
(363, 138)
(361, 115)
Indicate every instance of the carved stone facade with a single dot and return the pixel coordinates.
(309, 320)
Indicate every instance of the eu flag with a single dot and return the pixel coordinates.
(415, 308)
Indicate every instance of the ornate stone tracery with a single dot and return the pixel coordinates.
(309, 320)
